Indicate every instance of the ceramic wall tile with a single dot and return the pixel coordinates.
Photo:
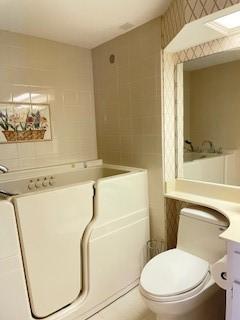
(128, 107)
(38, 71)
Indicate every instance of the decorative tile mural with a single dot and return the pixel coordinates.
(24, 122)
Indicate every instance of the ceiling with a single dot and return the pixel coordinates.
(85, 23)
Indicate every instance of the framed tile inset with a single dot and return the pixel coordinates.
(24, 122)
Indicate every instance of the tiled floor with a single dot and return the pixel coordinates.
(128, 307)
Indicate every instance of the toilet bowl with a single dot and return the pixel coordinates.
(177, 284)
(172, 295)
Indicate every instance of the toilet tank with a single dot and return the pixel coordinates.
(198, 233)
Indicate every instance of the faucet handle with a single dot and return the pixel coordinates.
(3, 168)
(219, 150)
(211, 148)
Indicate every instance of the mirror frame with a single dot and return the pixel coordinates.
(172, 111)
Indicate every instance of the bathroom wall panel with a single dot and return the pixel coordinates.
(128, 108)
(54, 73)
(12, 281)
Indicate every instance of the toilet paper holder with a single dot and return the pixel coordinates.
(220, 273)
(224, 275)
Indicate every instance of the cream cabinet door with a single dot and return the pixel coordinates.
(233, 294)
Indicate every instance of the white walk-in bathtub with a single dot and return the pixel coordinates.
(72, 239)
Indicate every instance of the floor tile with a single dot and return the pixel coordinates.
(130, 306)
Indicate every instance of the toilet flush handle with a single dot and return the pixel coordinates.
(224, 275)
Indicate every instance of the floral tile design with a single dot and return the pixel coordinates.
(24, 122)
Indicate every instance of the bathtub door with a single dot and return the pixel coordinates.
(51, 225)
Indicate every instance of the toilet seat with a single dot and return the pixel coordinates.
(178, 297)
(174, 275)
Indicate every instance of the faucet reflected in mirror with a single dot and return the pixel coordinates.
(210, 149)
(188, 147)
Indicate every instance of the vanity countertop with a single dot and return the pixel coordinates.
(230, 209)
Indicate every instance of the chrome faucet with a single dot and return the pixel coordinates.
(3, 169)
(189, 143)
(7, 194)
(211, 148)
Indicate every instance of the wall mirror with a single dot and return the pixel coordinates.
(211, 121)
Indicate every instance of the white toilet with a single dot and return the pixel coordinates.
(177, 284)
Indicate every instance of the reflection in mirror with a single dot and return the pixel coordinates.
(212, 118)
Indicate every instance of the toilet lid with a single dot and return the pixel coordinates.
(173, 272)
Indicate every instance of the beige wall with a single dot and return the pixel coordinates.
(62, 74)
(215, 105)
(128, 107)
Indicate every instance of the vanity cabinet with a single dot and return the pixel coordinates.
(233, 294)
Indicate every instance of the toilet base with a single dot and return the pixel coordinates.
(211, 309)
